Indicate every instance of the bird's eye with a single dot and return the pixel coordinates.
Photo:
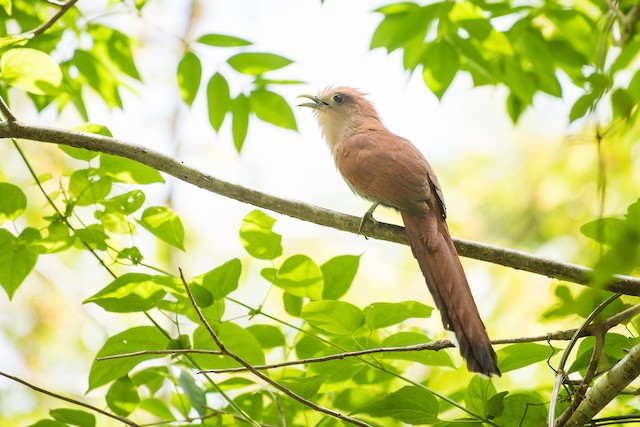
(338, 98)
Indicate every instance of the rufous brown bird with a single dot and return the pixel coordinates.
(389, 170)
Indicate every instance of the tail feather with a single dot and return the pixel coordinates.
(438, 259)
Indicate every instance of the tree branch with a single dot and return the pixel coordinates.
(46, 25)
(598, 396)
(481, 251)
(68, 399)
(259, 374)
(168, 352)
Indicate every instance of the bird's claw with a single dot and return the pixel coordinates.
(368, 217)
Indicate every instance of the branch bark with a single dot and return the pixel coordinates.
(622, 373)
(481, 251)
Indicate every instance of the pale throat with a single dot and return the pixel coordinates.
(336, 129)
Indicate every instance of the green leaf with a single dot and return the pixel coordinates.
(93, 236)
(222, 280)
(338, 274)
(425, 357)
(194, 393)
(31, 70)
(73, 417)
(13, 202)
(582, 105)
(298, 275)
(523, 409)
(292, 304)
(272, 108)
(164, 224)
(254, 64)
(89, 186)
(240, 123)
(48, 423)
(441, 63)
(516, 356)
(122, 397)
(218, 100)
(189, 75)
(236, 339)
(607, 231)
(383, 314)
(257, 236)
(158, 408)
(305, 387)
(128, 293)
(152, 378)
(222, 40)
(622, 103)
(126, 203)
(127, 170)
(411, 405)
(626, 56)
(334, 317)
(16, 260)
(478, 393)
(132, 340)
(267, 335)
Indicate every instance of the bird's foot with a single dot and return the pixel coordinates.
(368, 217)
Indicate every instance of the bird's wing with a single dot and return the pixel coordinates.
(384, 167)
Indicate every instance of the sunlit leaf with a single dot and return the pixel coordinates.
(240, 122)
(218, 100)
(236, 339)
(272, 108)
(257, 236)
(13, 202)
(189, 74)
(384, 314)
(122, 397)
(254, 63)
(16, 260)
(130, 292)
(335, 317)
(411, 405)
(89, 186)
(164, 224)
(516, 356)
(441, 63)
(338, 274)
(132, 340)
(267, 335)
(31, 70)
(298, 275)
(127, 170)
(523, 409)
(222, 40)
(221, 280)
(73, 417)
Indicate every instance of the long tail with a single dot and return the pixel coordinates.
(433, 248)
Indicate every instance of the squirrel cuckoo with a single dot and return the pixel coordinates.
(389, 170)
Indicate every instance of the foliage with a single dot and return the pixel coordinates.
(358, 360)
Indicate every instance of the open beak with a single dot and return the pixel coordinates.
(317, 102)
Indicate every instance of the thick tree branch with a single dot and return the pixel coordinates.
(481, 251)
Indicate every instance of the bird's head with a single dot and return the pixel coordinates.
(341, 111)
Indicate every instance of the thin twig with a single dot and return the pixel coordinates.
(431, 345)
(436, 345)
(481, 251)
(55, 2)
(145, 352)
(6, 111)
(68, 399)
(46, 25)
(259, 374)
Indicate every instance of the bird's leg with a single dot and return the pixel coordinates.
(368, 216)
